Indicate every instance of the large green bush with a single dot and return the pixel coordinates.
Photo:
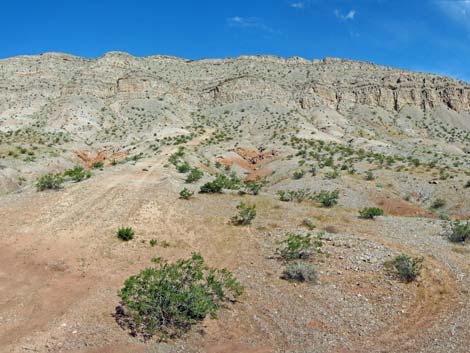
(166, 300)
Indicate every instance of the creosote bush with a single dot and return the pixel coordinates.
(246, 213)
(405, 267)
(370, 212)
(168, 299)
(194, 175)
(186, 194)
(77, 173)
(300, 246)
(49, 182)
(327, 198)
(300, 271)
(125, 233)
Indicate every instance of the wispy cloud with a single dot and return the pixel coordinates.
(458, 10)
(345, 16)
(249, 23)
(299, 5)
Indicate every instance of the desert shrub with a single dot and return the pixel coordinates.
(185, 194)
(327, 198)
(246, 213)
(310, 224)
(167, 300)
(295, 195)
(77, 173)
(253, 187)
(125, 233)
(183, 167)
(299, 246)
(460, 232)
(299, 174)
(97, 165)
(332, 174)
(369, 175)
(371, 212)
(467, 184)
(405, 267)
(299, 271)
(49, 182)
(219, 183)
(194, 175)
(438, 203)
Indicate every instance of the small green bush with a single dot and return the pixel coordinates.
(125, 234)
(438, 203)
(299, 174)
(167, 300)
(194, 175)
(327, 198)
(460, 232)
(299, 271)
(77, 173)
(369, 175)
(246, 213)
(97, 165)
(254, 187)
(371, 212)
(49, 182)
(185, 194)
(183, 167)
(295, 195)
(467, 184)
(300, 246)
(219, 183)
(405, 267)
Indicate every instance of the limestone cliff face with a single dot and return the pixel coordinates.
(30, 83)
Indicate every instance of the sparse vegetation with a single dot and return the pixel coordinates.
(195, 174)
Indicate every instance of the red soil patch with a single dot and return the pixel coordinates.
(251, 161)
(398, 207)
(106, 156)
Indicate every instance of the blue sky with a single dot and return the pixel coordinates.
(423, 35)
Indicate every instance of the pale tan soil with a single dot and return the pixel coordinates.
(61, 266)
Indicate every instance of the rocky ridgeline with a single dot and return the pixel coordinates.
(30, 82)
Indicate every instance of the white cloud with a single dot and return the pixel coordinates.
(458, 10)
(248, 22)
(348, 16)
(298, 5)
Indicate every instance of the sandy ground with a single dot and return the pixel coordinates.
(61, 267)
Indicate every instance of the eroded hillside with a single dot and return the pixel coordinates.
(365, 162)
